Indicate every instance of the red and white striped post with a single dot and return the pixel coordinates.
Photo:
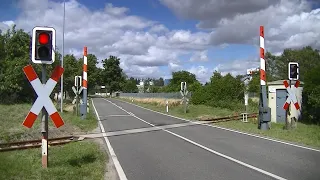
(264, 110)
(85, 81)
(262, 60)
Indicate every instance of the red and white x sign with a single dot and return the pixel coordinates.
(292, 97)
(43, 100)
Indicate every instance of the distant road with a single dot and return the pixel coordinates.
(196, 152)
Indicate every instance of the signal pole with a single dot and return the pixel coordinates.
(43, 42)
(64, 11)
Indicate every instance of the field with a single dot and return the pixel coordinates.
(304, 134)
(76, 160)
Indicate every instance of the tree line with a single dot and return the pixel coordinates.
(224, 91)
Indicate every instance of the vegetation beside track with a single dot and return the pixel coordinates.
(76, 160)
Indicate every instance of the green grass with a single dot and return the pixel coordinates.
(74, 161)
(77, 160)
(304, 134)
(194, 111)
(12, 117)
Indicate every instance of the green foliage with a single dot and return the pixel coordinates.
(130, 86)
(222, 91)
(112, 74)
(14, 55)
(254, 84)
(311, 95)
(178, 77)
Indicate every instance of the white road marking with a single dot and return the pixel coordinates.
(116, 115)
(231, 130)
(133, 131)
(121, 174)
(208, 149)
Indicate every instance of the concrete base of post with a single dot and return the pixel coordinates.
(264, 126)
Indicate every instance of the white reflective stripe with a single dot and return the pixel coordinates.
(288, 100)
(85, 60)
(262, 42)
(262, 82)
(291, 95)
(262, 64)
(84, 75)
(50, 85)
(37, 85)
(37, 106)
(44, 147)
(50, 106)
(43, 92)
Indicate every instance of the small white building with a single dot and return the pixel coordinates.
(277, 96)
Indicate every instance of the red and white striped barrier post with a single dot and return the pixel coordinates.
(264, 110)
(262, 60)
(43, 91)
(85, 82)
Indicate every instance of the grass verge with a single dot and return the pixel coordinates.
(74, 161)
(77, 160)
(12, 117)
(194, 111)
(304, 134)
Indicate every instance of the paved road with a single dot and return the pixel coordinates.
(197, 152)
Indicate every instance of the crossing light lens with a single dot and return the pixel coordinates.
(43, 52)
(43, 38)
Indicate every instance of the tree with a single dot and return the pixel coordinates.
(224, 91)
(159, 82)
(307, 58)
(130, 86)
(254, 84)
(178, 77)
(14, 85)
(311, 94)
(112, 73)
(71, 69)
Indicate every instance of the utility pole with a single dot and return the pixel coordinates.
(61, 100)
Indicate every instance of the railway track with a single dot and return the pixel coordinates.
(20, 145)
(35, 143)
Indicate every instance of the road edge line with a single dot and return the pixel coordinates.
(121, 174)
(231, 130)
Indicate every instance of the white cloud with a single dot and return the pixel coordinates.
(159, 28)
(144, 45)
(202, 74)
(199, 56)
(237, 67)
(111, 31)
(211, 11)
(288, 23)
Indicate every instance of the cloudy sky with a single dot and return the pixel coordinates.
(155, 37)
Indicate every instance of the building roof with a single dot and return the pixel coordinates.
(280, 82)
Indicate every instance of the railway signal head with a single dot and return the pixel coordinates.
(293, 71)
(43, 45)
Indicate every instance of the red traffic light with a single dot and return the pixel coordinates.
(43, 38)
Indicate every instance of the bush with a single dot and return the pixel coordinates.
(200, 96)
(311, 94)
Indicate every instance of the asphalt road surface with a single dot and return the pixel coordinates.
(195, 152)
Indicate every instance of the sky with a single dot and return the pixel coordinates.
(154, 38)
